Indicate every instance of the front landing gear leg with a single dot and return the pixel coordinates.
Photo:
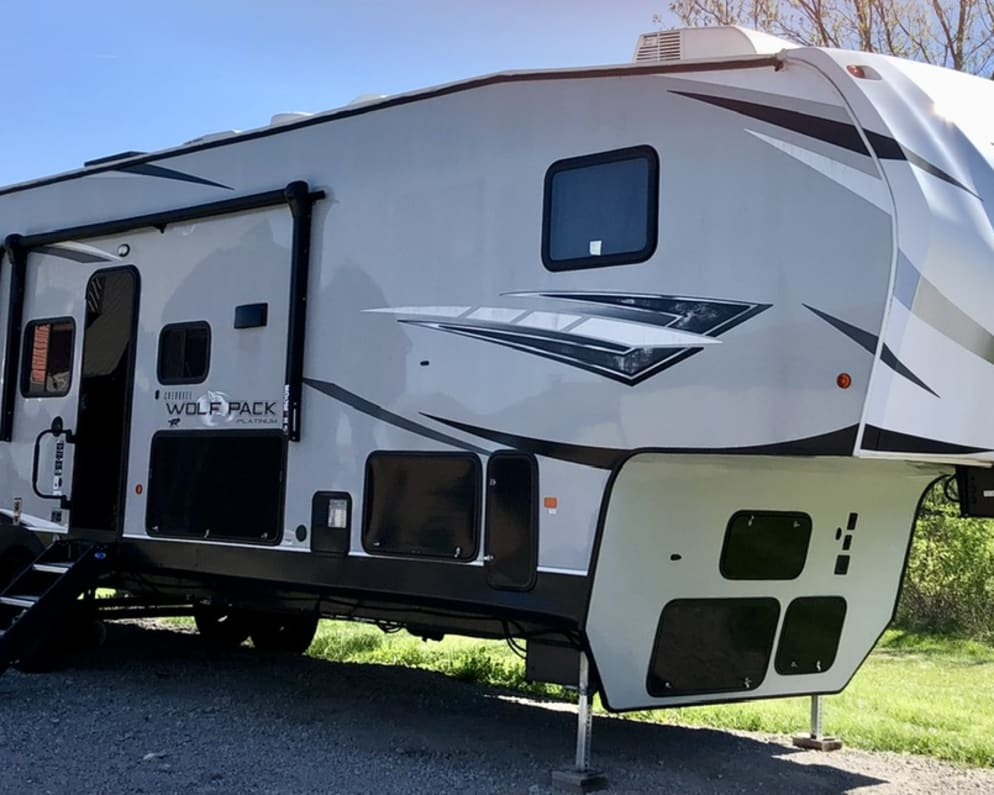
(815, 740)
(581, 777)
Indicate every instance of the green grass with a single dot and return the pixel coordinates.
(915, 694)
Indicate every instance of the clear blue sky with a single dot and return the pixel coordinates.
(87, 79)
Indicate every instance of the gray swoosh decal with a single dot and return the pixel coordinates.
(378, 412)
(151, 170)
(945, 317)
(868, 341)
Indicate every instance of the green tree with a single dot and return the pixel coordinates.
(949, 585)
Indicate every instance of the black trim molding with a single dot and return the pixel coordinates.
(840, 442)
(886, 441)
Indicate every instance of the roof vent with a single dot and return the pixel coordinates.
(362, 99)
(214, 136)
(286, 118)
(691, 44)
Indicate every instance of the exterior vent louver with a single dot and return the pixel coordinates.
(695, 44)
(663, 45)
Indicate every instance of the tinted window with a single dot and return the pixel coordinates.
(184, 353)
(601, 209)
(765, 545)
(712, 646)
(225, 486)
(48, 348)
(422, 504)
(810, 636)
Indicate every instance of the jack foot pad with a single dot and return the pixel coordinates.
(817, 743)
(579, 780)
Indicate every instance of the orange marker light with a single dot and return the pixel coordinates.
(551, 503)
(843, 380)
(139, 489)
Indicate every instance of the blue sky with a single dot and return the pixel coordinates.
(88, 79)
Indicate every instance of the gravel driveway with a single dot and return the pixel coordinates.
(154, 712)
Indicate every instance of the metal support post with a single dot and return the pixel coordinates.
(582, 777)
(816, 740)
(815, 717)
(585, 719)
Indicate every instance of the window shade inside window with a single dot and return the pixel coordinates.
(48, 350)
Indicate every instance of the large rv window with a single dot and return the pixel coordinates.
(765, 545)
(48, 347)
(601, 209)
(712, 645)
(184, 353)
(422, 504)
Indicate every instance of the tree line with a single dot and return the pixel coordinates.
(955, 33)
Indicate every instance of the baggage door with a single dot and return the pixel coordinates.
(511, 545)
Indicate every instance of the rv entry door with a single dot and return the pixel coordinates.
(106, 380)
(73, 378)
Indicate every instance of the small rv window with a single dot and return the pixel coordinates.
(765, 545)
(601, 209)
(184, 353)
(48, 347)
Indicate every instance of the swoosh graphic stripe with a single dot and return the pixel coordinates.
(364, 406)
(948, 319)
(868, 342)
(838, 133)
(839, 442)
(150, 170)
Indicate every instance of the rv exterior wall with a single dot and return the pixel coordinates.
(704, 353)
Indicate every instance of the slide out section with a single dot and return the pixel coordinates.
(727, 578)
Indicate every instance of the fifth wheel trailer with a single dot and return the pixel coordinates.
(651, 362)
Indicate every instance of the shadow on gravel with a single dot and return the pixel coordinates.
(155, 711)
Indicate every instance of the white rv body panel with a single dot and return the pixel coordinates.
(779, 324)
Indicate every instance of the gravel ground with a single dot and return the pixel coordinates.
(155, 712)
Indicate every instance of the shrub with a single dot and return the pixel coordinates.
(949, 584)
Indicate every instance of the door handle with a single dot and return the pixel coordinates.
(56, 430)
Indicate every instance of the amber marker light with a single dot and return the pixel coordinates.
(843, 380)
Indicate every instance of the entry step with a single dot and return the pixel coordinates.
(52, 568)
(18, 601)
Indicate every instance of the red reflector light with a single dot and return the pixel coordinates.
(856, 71)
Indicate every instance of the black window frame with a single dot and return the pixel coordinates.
(640, 152)
(184, 326)
(27, 344)
(726, 546)
(468, 555)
